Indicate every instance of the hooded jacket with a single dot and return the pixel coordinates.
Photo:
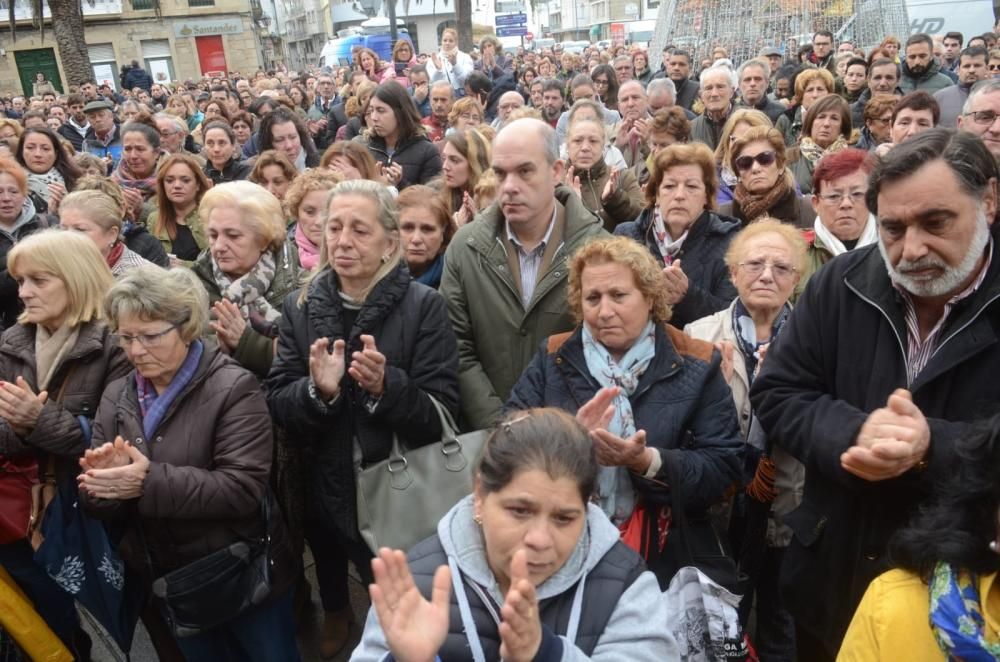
(497, 334)
(930, 81)
(621, 616)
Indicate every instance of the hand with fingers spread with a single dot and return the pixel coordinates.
(520, 629)
(414, 628)
(108, 455)
(598, 411)
(228, 325)
(573, 181)
(20, 407)
(611, 186)
(676, 283)
(368, 367)
(124, 482)
(326, 367)
(892, 440)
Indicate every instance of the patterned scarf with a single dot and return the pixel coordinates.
(668, 247)
(812, 152)
(755, 205)
(124, 177)
(154, 406)
(248, 291)
(39, 184)
(746, 334)
(614, 486)
(957, 618)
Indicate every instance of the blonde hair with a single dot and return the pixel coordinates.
(767, 225)
(750, 116)
(151, 293)
(808, 76)
(465, 105)
(308, 182)
(762, 134)
(99, 207)
(645, 270)
(260, 212)
(72, 258)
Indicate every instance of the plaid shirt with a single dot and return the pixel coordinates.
(919, 352)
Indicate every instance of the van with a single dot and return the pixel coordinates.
(937, 17)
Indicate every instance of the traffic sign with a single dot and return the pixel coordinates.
(506, 20)
(513, 31)
(529, 36)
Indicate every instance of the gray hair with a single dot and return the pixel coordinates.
(151, 293)
(983, 87)
(963, 152)
(621, 58)
(760, 64)
(550, 141)
(443, 83)
(180, 124)
(662, 86)
(719, 69)
(585, 103)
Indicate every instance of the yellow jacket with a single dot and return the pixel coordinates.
(893, 620)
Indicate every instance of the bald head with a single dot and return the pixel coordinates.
(509, 101)
(540, 133)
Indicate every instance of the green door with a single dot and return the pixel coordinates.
(31, 62)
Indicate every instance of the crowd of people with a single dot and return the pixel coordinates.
(761, 292)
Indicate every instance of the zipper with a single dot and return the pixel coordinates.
(899, 341)
(966, 325)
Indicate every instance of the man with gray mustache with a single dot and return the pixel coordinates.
(889, 355)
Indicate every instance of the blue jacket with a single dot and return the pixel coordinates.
(682, 402)
(710, 289)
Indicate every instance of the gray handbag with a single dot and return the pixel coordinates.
(401, 499)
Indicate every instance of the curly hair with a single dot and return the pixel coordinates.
(624, 251)
(317, 179)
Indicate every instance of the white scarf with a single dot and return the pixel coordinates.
(868, 236)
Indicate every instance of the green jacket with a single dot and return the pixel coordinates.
(193, 221)
(256, 351)
(497, 337)
(816, 256)
(625, 204)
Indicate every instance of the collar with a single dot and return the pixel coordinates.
(545, 240)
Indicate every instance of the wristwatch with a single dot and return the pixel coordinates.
(315, 395)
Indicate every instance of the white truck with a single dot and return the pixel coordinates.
(936, 17)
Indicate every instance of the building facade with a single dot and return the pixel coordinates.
(179, 40)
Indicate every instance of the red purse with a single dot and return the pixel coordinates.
(18, 477)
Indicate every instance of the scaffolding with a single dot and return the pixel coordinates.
(744, 27)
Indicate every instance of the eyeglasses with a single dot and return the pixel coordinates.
(746, 162)
(884, 121)
(779, 270)
(836, 197)
(983, 117)
(147, 340)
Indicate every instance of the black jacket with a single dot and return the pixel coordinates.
(72, 135)
(10, 304)
(410, 324)
(687, 93)
(137, 77)
(419, 157)
(139, 240)
(233, 171)
(768, 106)
(839, 357)
(710, 289)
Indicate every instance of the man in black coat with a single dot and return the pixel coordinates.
(888, 356)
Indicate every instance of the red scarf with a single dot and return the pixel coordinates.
(115, 254)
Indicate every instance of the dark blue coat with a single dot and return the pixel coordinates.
(702, 260)
(682, 402)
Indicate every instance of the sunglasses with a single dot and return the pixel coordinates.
(746, 162)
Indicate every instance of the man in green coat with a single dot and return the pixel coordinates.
(505, 273)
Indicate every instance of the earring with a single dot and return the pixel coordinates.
(385, 259)
(479, 520)
(993, 547)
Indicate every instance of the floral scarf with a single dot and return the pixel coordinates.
(755, 205)
(746, 335)
(957, 618)
(614, 487)
(812, 152)
(668, 247)
(248, 293)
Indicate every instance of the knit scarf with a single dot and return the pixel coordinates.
(957, 618)
(153, 405)
(39, 183)
(248, 293)
(432, 276)
(668, 247)
(746, 335)
(868, 236)
(755, 205)
(812, 152)
(614, 486)
(308, 251)
(51, 349)
(125, 178)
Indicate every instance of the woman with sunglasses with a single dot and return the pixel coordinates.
(679, 225)
(765, 187)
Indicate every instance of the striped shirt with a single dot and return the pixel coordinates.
(530, 261)
(919, 352)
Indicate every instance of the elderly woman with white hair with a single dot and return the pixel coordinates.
(364, 351)
(248, 269)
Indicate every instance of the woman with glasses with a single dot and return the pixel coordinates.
(606, 85)
(877, 117)
(843, 221)
(466, 113)
(825, 130)
(765, 261)
(55, 363)
(181, 457)
(681, 229)
(765, 186)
